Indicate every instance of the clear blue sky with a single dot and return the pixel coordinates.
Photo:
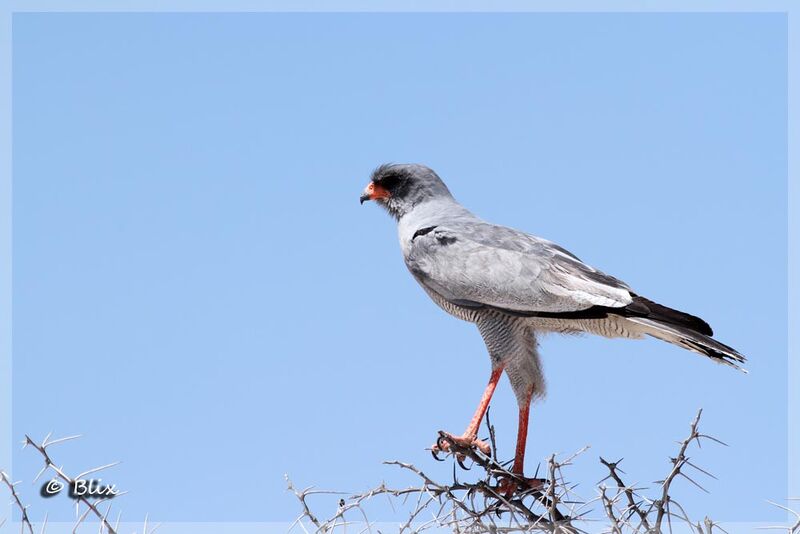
(198, 291)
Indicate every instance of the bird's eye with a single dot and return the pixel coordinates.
(389, 182)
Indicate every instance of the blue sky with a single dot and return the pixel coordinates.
(198, 292)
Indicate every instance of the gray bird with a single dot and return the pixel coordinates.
(514, 286)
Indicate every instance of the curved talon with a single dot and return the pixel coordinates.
(436, 456)
(446, 443)
(460, 459)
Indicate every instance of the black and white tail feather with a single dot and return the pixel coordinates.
(692, 340)
(683, 330)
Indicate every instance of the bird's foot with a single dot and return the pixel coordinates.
(448, 443)
(508, 486)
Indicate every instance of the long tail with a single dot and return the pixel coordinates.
(689, 338)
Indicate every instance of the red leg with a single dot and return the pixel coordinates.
(507, 486)
(468, 439)
(522, 434)
(472, 429)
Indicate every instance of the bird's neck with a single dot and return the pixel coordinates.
(434, 212)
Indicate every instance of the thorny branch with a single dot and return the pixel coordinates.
(91, 506)
(629, 492)
(652, 512)
(482, 505)
(794, 528)
(49, 464)
(678, 463)
(26, 522)
(463, 506)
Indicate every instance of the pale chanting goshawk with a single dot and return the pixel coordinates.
(513, 286)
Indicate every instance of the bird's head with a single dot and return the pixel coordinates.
(399, 187)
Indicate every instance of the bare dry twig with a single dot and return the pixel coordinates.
(482, 505)
(793, 528)
(662, 505)
(91, 507)
(26, 522)
(464, 506)
(49, 464)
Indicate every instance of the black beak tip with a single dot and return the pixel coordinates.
(363, 199)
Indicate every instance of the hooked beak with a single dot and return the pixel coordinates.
(373, 192)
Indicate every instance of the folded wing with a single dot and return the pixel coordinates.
(480, 264)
